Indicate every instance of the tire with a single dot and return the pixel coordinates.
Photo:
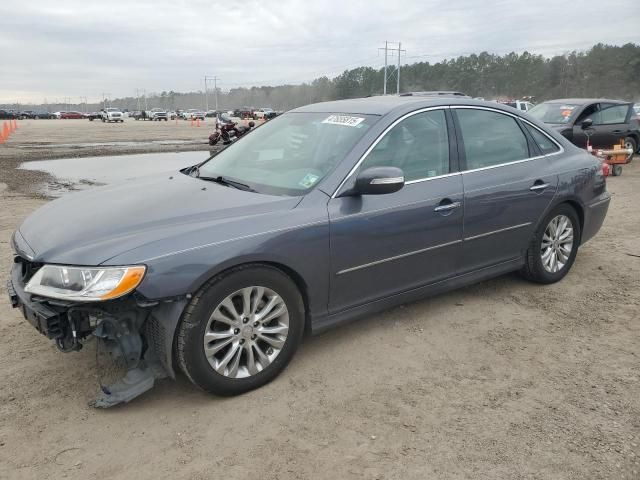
(103, 120)
(632, 143)
(534, 268)
(197, 320)
(616, 170)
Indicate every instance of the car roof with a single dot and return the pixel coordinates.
(584, 101)
(383, 104)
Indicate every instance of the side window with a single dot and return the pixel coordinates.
(544, 143)
(592, 112)
(490, 138)
(611, 115)
(419, 145)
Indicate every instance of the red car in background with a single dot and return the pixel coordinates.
(71, 115)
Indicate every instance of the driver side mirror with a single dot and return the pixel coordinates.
(586, 123)
(379, 181)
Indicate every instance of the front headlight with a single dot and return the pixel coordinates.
(84, 284)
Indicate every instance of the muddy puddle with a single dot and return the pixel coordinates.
(72, 174)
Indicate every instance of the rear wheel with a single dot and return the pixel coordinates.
(616, 170)
(240, 330)
(554, 246)
(631, 143)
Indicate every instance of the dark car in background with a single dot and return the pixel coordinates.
(610, 121)
(7, 115)
(327, 213)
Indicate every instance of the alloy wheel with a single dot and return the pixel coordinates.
(557, 244)
(246, 332)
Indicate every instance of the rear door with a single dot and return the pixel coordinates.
(610, 124)
(508, 184)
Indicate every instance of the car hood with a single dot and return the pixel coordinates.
(90, 227)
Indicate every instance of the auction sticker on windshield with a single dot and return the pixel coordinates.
(346, 120)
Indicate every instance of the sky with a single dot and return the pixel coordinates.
(50, 50)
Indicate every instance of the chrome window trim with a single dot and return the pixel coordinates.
(426, 179)
(396, 257)
(381, 136)
(486, 234)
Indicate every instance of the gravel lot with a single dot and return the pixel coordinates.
(502, 380)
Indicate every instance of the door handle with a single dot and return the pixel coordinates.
(538, 186)
(447, 207)
(617, 132)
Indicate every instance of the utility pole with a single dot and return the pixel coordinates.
(386, 63)
(384, 88)
(206, 95)
(104, 99)
(399, 50)
(138, 99)
(207, 79)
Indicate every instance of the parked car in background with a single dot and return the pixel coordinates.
(112, 115)
(243, 113)
(264, 113)
(519, 105)
(221, 268)
(43, 115)
(211, 114)
(193, 114)
(609, 121)
(57, 114)
(172, 115)
(94, 116)
(157, 114)
(26, 115)
(71, 115)
(7, 115)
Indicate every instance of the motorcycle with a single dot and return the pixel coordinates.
(228, 130)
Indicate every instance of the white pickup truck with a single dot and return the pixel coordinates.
(157, 114)
(112, 115)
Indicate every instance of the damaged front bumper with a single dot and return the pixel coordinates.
(131, 329)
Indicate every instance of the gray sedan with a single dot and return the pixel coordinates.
(328, 213)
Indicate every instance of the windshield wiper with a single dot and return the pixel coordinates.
(228, 183)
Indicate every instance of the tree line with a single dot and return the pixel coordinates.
(602, 71)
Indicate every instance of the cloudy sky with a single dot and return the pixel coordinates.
(73, 48)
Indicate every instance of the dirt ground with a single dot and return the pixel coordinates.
(502, 380)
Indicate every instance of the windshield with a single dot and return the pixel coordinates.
(554, 113)
(290, 154)
(113, 110)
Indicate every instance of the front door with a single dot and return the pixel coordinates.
(507, 186)
(386, 244)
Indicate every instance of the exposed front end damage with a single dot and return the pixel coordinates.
(131, 330)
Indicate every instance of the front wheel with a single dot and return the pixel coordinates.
(240, 330)
(554, 246)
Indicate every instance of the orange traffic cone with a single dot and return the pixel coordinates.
(5, 131)
(15, 125)
(197, 122)
(192, 121)
(1, 137)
